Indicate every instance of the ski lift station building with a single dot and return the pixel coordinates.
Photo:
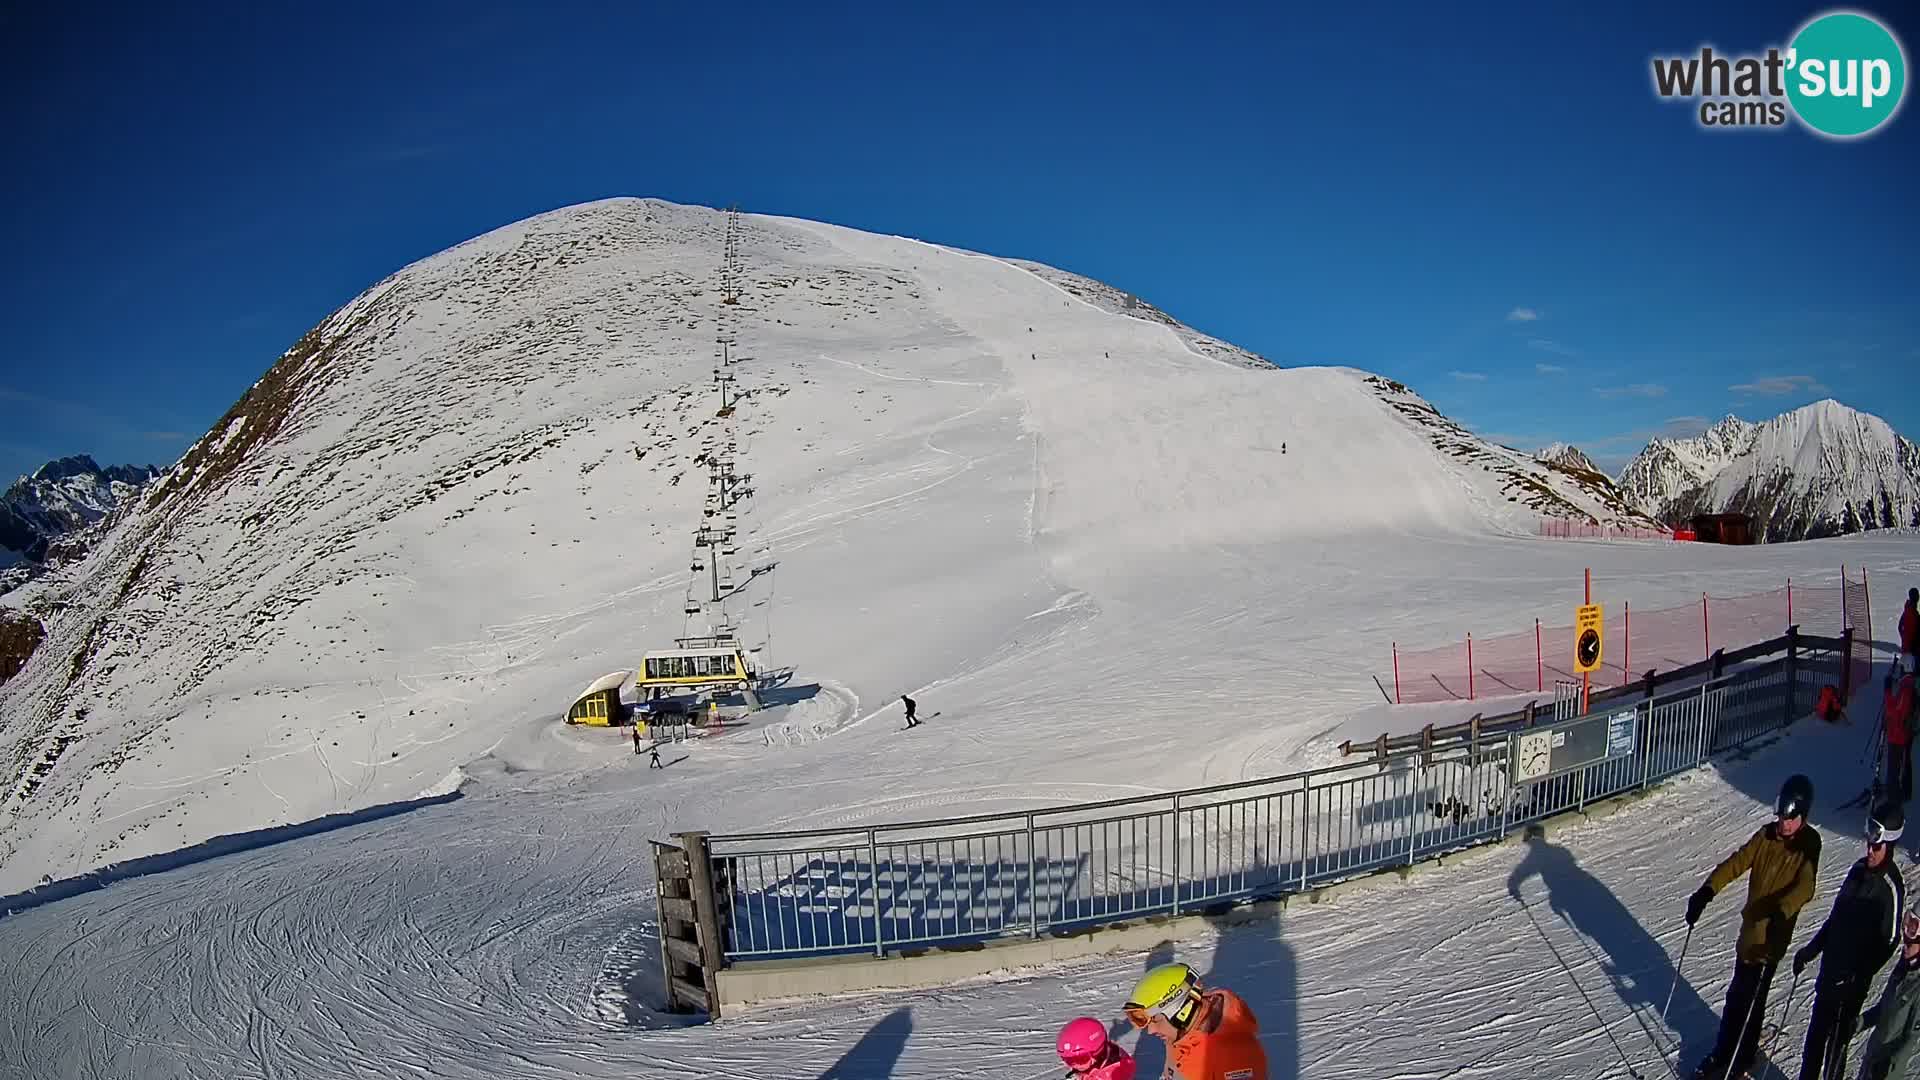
(599, 704)
(695, 664)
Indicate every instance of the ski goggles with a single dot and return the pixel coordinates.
(1878, 833)
(1176, 1007)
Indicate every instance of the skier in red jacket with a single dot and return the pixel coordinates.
(1899, 710)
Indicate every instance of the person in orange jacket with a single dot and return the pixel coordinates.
(1210, 1034)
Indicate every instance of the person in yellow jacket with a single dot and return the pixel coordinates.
(1779, 862)
(1210, 1034)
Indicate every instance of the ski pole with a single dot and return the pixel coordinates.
(1753, 1005)
(1572, 978)
(1786, 1014)
(1676, 975)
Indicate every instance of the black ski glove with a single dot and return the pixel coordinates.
(1697, 903)
(1804, 957)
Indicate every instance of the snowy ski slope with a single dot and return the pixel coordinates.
(1057, 525)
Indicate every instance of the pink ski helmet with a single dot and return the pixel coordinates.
(1082, 1043)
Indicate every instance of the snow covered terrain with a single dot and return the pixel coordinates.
(1821, 470)
(305, 696)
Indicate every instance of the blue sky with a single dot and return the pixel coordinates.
(1488, 204)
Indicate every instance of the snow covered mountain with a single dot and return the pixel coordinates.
(61, 497)
(1070, 532)
(1670, 468)
(1821, 470)
(1567, 457)
(472, 490)
(1542, 488)
(48, 519)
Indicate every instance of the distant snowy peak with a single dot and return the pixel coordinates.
(1820, 470)
(1566, 457)
(1670, 468)
(63, 497)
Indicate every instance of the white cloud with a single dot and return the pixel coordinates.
(1549, 369)
(1646, 390)
(1522, 314)
(1554, 347)
(1779, 385)
(1468, 376)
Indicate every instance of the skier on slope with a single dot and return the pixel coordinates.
(1895, 1019)
(1898, 707)
(1859, 935)
(1781, 858)
(1210, 1034)
(908, 702)
(1089, 1055)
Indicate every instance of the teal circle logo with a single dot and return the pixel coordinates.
(1846, 74)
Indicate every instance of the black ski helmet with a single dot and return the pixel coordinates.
(1796, 797)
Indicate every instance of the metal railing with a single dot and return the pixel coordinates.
(894, 889)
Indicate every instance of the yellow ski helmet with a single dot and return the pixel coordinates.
(1170, 991)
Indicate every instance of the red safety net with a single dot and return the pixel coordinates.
(1858, 605)
(1636, 640)
(1569, 529)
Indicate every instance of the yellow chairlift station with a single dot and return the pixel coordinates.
(695, 663)
(599, 704)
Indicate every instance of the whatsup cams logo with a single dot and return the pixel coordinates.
(1843, 76)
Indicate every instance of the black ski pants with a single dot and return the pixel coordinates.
(1741, 1017)
(1900, 771)
(1836, 1017)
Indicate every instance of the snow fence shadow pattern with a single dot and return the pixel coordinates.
(960, 882)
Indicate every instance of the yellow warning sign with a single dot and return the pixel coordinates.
(1587, 636)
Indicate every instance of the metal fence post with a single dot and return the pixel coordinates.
(1646, 749)
(873, 867)
(1306, 829)
(1513, 789)
(1176, 853)
(1793, 668)
(1705, 748)
(1413, 820)
(1033, 893)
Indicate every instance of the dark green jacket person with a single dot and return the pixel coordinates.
(1890, 1048)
